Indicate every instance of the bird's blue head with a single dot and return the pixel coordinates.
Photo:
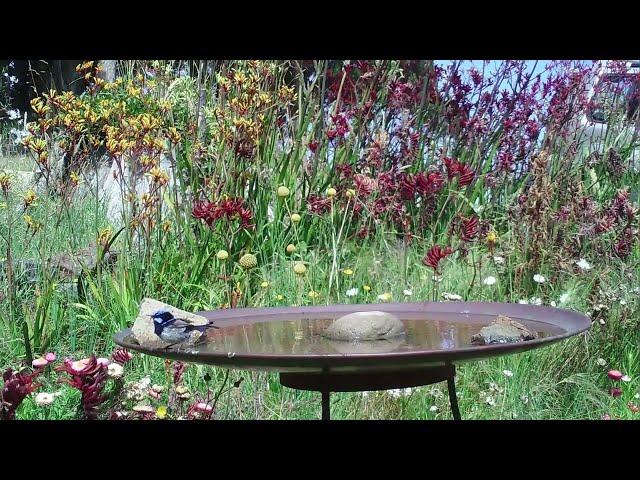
(162, 316)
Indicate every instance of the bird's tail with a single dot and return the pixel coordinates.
(202, 328)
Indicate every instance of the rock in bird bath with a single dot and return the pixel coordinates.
(364, 326)
(143, 329)
(503, 330)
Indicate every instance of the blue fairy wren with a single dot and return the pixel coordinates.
(175, 330)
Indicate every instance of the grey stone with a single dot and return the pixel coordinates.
(143, 331)
(503, 330)
(365, 326)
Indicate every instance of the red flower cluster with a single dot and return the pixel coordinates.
(121, 356)
(422, 183)
(88, 376)
(318, 205)
(464, 172)
(231, 209)
(15, 389)
(435, 255)
(178, 371)
(349, 81)
(624, 243)
(469, 229)
(340, 126)
(344, 170)
(364, 185)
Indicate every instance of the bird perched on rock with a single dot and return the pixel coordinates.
(175, 330)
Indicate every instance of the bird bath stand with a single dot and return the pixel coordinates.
(289, 341)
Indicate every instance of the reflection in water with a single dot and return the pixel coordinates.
(448, 340)
(302, 336)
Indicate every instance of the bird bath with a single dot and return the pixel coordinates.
(437, 337)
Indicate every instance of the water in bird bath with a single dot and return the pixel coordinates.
(303, 335)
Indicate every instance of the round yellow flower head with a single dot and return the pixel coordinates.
(366, 288)
(248, 261)
(295, 218)
(347, 271)
(161, 412)
(279, 297)
(350, 193)
(313, 294)
(299, 268)
(492, 237)
(291, 248)
(222, 255)
(264, 284)
(331, 192)
(283, 192)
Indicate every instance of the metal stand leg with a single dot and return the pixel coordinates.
(326, 412)
(453, 399)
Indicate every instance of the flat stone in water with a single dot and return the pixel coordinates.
(503, 330)
(143, 327)
(364, 326)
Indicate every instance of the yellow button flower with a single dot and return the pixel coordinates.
(248, 261)
(299, 268)
(283, 192)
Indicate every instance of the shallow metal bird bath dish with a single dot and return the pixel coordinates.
(437, 337)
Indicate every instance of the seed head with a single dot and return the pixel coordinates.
(248, 261)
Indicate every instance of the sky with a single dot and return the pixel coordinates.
(493, 64)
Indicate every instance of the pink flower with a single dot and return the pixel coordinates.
(203, 407)
(200, 410)
(606, 417)
(39, 362)
(104, 362)
(615, 375)
(79, 367)
(615, 392)
(50, 357)
(121, 356)
(88, 376)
